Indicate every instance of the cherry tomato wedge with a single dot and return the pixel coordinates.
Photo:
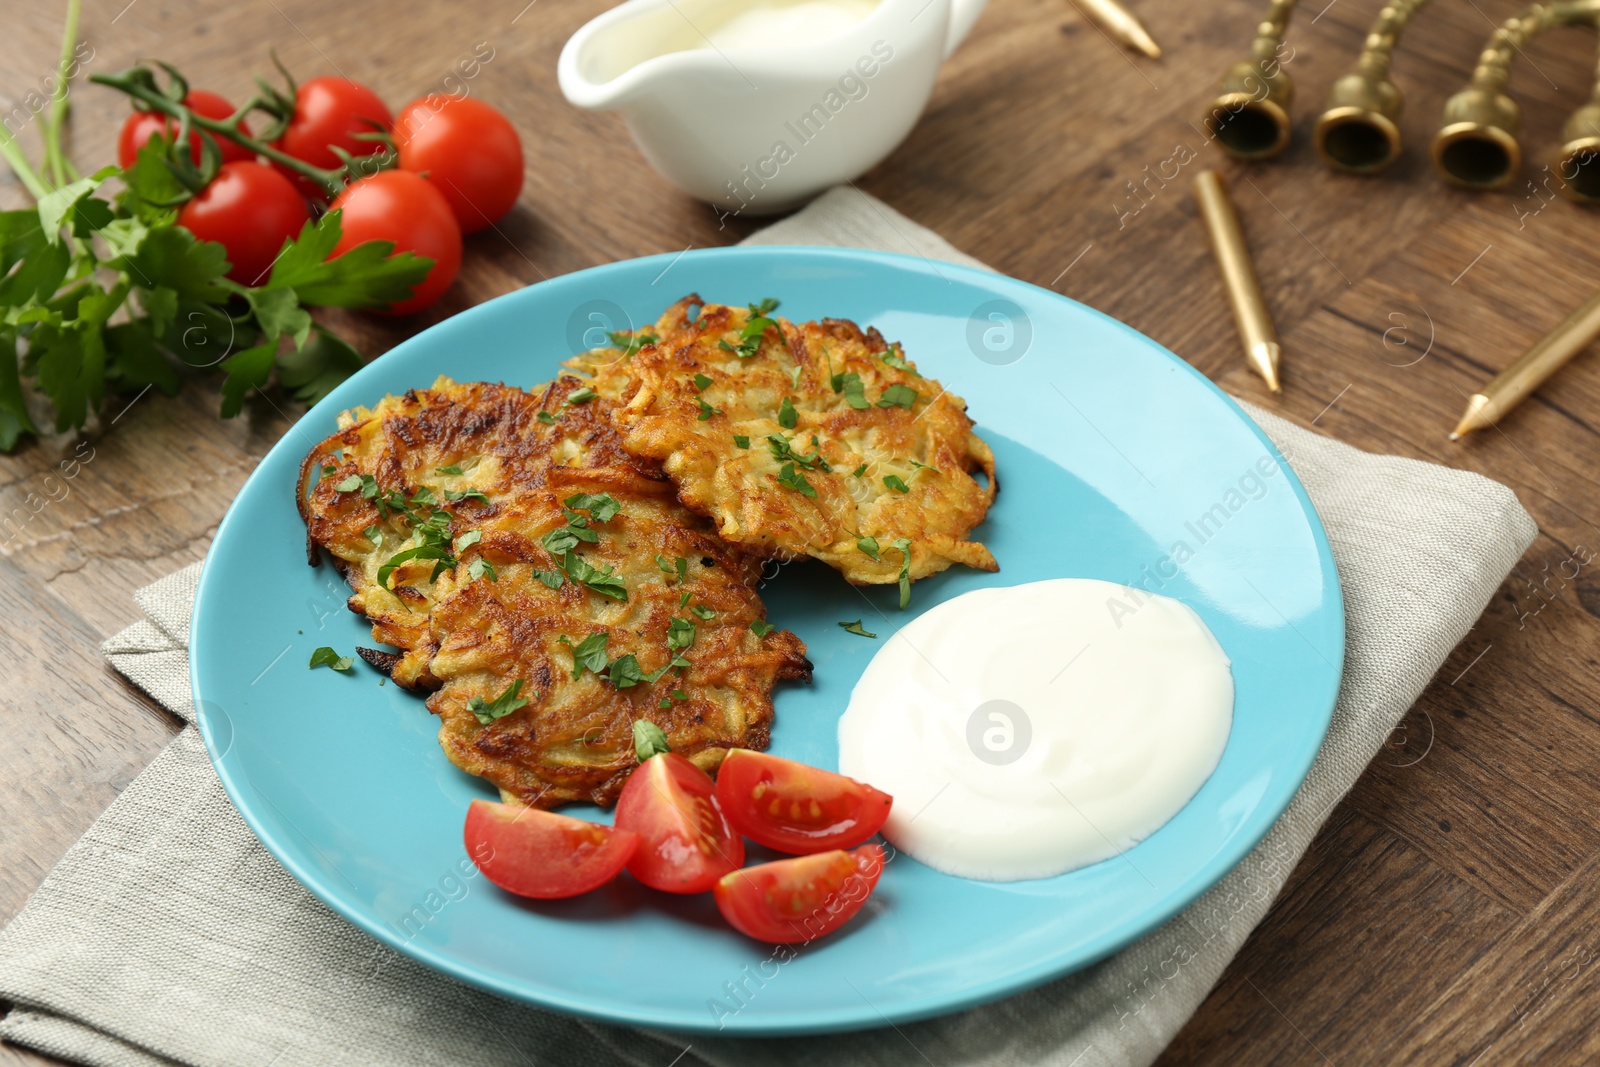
(686, 843)
(789, 901)
(795, 808)
(398, 206)
(330, 112)
(540, 854)
(249, 209)
(468, 150)
(140, 126)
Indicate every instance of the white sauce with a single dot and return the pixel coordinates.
(1061, 732)
(789, 25)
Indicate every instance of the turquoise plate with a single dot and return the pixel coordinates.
(1118, 461)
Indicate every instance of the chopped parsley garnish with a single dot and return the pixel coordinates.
(683, 600)
(666, 702)
(680, 634)
(854, 392)
(468, 539)
(602, 507)
(546, 418)
(706, 410)
(868, 547)
(501, 706)
(588, 654)
(327, 469)
(855, 628)
(625, 672)
(648, 740)
(480, 567)
(794, 375)
(783, 449)
(454, 468)
(859, 471)
(903, 544)
(581, 396)
(679, 694)
(741, 440)
(565, 538)
(790, 478)
(922, 466)
(606, 582)
(902, 396)
(423, 497)
(765, 306)
(761, 628)
(465, 494)
(679, 566)
(897, 361)
(553, 579)
(702, 612)
(630, 344)
(787, 416)
(701, 381)
(374, 534)
(327, 657)
(894, 481)
(753, 330)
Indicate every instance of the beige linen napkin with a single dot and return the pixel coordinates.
(168, 934)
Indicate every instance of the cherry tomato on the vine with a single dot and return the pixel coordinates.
(398, 206)
(328, 113)
(140, 126)
(468, 150)
(250, 209)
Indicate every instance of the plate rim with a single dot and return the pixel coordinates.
(810, 1021)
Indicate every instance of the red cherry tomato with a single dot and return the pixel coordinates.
(250, 209)
(328, 113)
(140, 126)
(795, 808)
(789, 901)
(398, 206)
(685, 842)
(468, 150)
(540, 854)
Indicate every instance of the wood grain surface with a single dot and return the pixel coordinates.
(1446, 913)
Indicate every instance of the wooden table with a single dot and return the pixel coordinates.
(1445, 912)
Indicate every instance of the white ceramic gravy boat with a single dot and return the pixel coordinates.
(759, 129)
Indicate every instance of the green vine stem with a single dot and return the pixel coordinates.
(139, 84)
(56, 163)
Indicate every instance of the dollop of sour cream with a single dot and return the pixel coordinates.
(1028, 731)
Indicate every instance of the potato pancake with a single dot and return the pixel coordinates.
(812, 439)
(545, 584)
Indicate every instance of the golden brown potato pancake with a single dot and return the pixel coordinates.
(815, 439)
(493, 536)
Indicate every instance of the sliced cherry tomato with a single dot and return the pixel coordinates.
(792, 807)
(140, 126)
(686, 843)
(789, 901)
(468, 150)
(540, 854)
(398, 206)
(328, 113)
(249, 209)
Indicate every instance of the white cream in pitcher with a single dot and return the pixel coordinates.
(1028, 731)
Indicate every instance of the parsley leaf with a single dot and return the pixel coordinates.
(480, 566)
(465, 494)
(902, 396)
(648, 740)
(854, 392)
(701, 381)
(765, 306)
(868, 546)
(680, 635)
(793, 479)
(327, 657)
(787, 416)
(761, 628)
(703, 612)
(606, 582)
(374, 534)
(903, 544)
(581, 396)
(895, 482)
(783, 449)
(370, 275)
(501, 706)
(546, 418)
(588, 654)
(678, 566)
(706, 410)
(897, 361)
(602, 507)
(632, 343)
(741, 440)
(553, 579)
(859, 471)
(855, 628)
